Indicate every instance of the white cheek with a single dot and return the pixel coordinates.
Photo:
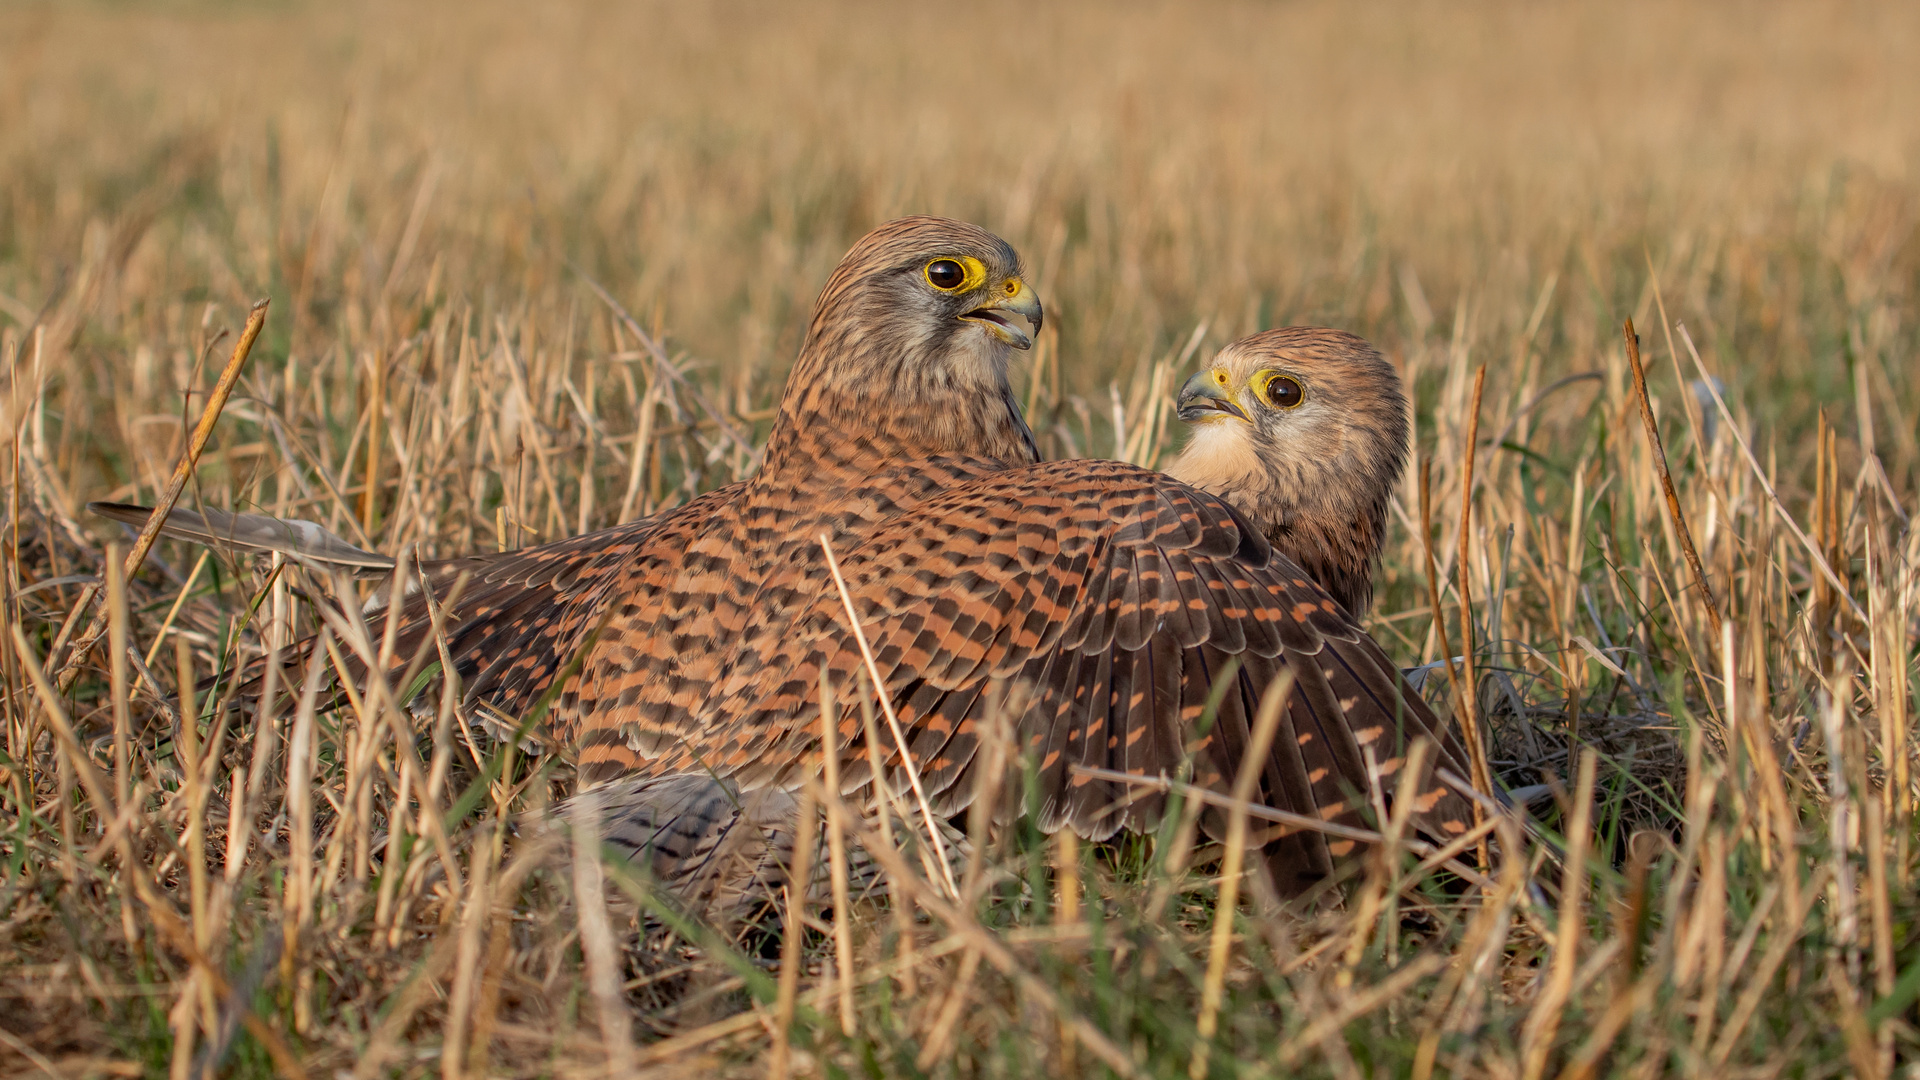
(1216, 457)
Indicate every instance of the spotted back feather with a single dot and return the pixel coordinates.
(1112, 595)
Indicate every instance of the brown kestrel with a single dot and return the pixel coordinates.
(1304, 430)
(1095, 603)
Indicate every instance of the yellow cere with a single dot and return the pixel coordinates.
(976, 274)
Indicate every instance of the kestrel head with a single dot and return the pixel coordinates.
(913, 334)
(1304, 430)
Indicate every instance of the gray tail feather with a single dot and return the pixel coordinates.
(258, 533)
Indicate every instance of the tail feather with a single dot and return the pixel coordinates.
(257, 533)
(722, 851)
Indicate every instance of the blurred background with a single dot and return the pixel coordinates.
(467, 215)
(1415, 173)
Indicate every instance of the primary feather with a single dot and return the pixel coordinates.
(305, 541)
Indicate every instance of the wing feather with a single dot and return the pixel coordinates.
(1116, 593)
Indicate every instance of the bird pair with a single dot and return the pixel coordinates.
(902, 530)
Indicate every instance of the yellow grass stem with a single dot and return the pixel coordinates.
(1658, 450)
(179, 601)
(837, 854)
(1469, 732)
(143, 543)
(1466, 689)
(798, 889)
(602, 952)
(881, 694)
(1252, 766)
(1543, 1018)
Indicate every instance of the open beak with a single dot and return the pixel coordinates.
(1203, 397)
(1011, 297)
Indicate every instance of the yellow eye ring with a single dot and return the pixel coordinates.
(1278, 389)
(955, 273)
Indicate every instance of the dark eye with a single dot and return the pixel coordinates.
(1282, 392)
(945, 274)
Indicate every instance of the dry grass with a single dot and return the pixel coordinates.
(436, 197)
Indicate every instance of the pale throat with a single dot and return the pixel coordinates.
(1219, 457)
(1303, 481)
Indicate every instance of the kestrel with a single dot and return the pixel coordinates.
(1095, 603)
(1304, 430)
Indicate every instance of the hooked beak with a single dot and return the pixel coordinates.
(1204, 397)
(1012, 296)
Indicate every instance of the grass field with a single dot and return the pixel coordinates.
(535, 271)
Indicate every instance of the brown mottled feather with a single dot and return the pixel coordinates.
(956, 551)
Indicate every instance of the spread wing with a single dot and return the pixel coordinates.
(1099, 603)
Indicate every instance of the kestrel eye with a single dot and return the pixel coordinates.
(1282, 392)
(946, 274)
